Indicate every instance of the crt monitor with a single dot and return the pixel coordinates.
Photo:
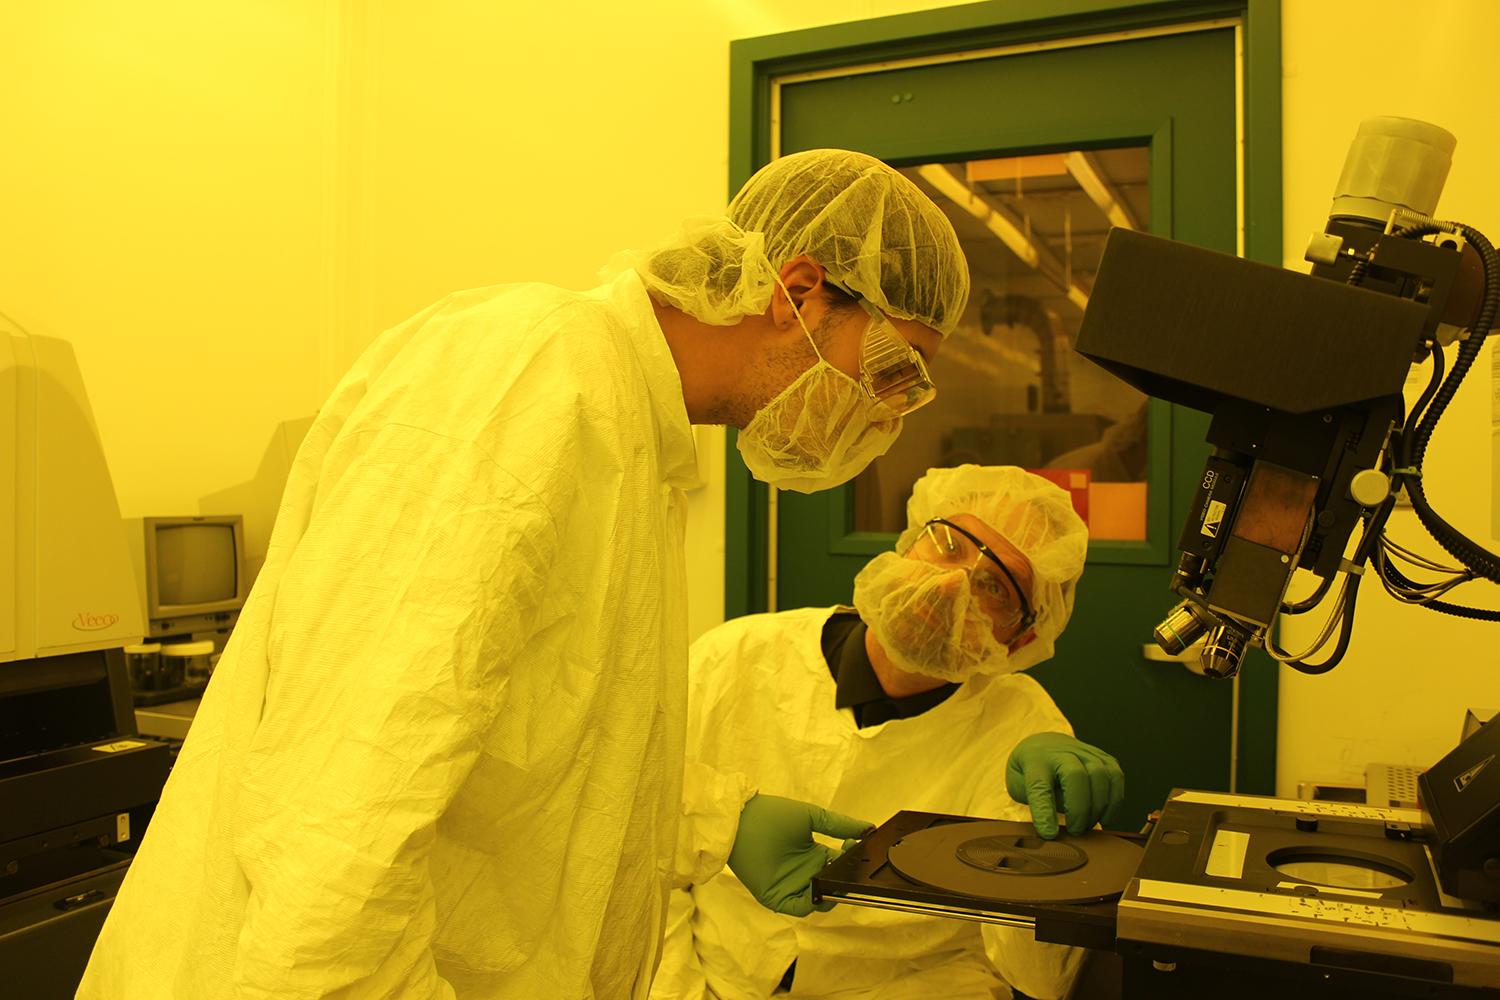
(194, 565)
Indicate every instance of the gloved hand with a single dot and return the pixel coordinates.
(775, 856)
(1092, 784)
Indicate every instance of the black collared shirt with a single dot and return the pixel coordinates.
(858, 687)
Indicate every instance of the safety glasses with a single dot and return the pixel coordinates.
(992, 594)
(891, 371)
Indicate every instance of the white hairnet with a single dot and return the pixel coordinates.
(873, 231)
(710, 268)
(1031, 513)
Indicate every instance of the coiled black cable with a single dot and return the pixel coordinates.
(1357, 275)
(1477, 558)
(1414, 435)
(1414, 416)
(1392, 575)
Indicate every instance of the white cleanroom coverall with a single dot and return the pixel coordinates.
(443, 753)
(760, 696)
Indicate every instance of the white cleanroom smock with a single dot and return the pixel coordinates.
(760, 695)
(442, 754)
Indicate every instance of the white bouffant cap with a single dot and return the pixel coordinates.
(1031, 513)
(874, 232)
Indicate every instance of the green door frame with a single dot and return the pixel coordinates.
(755, 62)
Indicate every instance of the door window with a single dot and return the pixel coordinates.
(1011, 388)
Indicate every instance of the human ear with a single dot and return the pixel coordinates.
(801, 282)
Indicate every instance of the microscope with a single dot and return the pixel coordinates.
(1312, 437)
(1303, 375)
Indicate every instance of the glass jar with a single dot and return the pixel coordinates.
(188, 662)
(144, 663)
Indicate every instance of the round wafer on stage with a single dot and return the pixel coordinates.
(1000, 860)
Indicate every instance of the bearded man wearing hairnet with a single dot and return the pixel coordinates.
(442, 756)
(913, 699)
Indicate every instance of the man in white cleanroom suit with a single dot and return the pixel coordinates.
(443, 753)
(914, 701)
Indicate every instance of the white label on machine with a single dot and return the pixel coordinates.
(117, 747)
(1390, 917)
(1227, 859)
(122, 827)
(1304, 807)
(1462, 781)
(1214, 518)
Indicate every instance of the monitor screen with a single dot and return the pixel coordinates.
(195, 563)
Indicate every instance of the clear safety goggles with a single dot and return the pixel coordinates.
(1006, 605)
(891, 371)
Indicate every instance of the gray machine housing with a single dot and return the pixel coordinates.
(1460, 797)
(1302, 375)
(77, 786)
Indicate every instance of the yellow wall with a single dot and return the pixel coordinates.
(161, 187)
(221, 204)
(1400, 694)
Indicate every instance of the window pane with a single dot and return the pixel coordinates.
(1011, 389)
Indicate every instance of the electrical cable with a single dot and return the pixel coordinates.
(1348, 596)
(1390, 572)
(1313, 600)
(1395, 583)
(1345, 631)
(1306, 604)
(1417, 432)
(1281, 655)
(1423, 594)
(1357, 275)
(1479, 560)
(1407, 555)
(1419, 593)
(1343, 615)
(1408, 429)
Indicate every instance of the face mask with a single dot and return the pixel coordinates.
(816, 434)
(927, 619)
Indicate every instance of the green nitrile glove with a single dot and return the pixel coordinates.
(775, 855)
(1091, 782)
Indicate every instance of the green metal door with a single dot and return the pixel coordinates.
(1162, 105)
